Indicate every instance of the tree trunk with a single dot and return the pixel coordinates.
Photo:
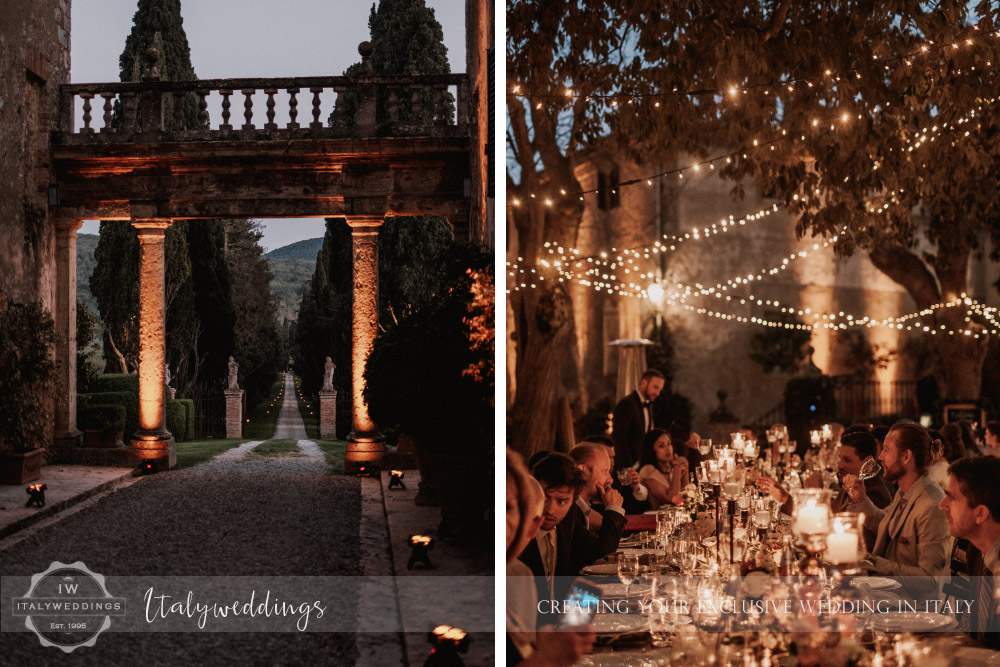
(957, 358)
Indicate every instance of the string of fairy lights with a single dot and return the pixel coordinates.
(923, 50)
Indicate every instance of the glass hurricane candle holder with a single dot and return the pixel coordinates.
(811, 524)
(843, 542)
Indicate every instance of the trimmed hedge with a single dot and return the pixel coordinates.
(98, 417)
(176, 419)
(117, 382)
(188, 417)
(126, 399)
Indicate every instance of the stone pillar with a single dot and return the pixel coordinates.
(365, 442)
(152, 440)
(66, 433)
(328, 414)
(234, 413)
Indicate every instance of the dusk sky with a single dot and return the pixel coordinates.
(251, 38)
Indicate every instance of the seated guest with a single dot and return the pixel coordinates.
(525, 646)
(972, 506)
(596, 468)
(634, 494)
(564, 545)
(955, 446)
(664, 473)
(685, 442)
(856, 447)
(938, 469)
(991, 439)
(912, 538)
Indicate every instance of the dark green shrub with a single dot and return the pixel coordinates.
(188, 405)
(27, 335)
(127, 399)
(101, 417)
(176, 419)
(117, 382)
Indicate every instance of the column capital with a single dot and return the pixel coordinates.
(68, 225)
(151, 227)
(361, 224)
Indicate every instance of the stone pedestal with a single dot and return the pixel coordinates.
(328, 414)
(234, 413)
(66, 435)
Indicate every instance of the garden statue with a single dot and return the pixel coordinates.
(328, 368)
(234, 371)
(166, 374)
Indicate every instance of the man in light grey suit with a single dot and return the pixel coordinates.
(912, 539)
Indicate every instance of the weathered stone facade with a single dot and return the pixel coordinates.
(711, 353)
(34, 62)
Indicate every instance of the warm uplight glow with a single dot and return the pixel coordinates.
(420, 539)
(655, 293)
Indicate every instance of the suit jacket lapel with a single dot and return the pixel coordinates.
(905, 512)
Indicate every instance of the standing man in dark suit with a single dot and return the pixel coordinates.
(563, 544)
(972, 506)
(633, 416)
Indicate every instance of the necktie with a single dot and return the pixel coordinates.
(550, 562)
(984, 602)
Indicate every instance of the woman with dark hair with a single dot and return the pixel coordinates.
(661, 471)
(954, 443)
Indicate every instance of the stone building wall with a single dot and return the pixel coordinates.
(710, 353)
(34, 61)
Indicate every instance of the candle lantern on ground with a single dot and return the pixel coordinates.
(446, 642)
(420, 547)
(36, 495)
(396, 479)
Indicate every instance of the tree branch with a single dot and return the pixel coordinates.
(779, 20)
(908, 270)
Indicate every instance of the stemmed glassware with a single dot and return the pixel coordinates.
(704, 446)
(628, 570)
(623, 475)
(869, 469)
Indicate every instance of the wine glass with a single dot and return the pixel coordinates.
(623, 475)
(704, 446)
(869, 469)
(628, 570)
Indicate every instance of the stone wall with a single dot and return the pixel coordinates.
(34, 61)
(712, 354)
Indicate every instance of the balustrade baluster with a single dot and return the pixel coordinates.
(393, 105)
(203, 109)
(178, 98)
(248, 108)
(415, 104)
(316, 124)
(129, 111)
(107, 113)
(338, 106)
(293, 111)
(440, 110)
(86, 129)
(225, 109)
(270, 124)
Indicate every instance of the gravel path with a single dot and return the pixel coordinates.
(274, 516)
(290, 424)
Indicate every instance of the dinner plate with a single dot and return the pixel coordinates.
(618, 590)
(911, 621)
(616, 624)
(880, 583)
(975, 655)
(602, 569)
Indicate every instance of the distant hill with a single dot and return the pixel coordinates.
(301, 250)
(292, 266)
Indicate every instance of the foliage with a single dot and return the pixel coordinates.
(27, 336)
(835, 181)
(176, 419)
(128, 399)
(334, 451)
(414, 379)
(480, 320)
(778, 348)
(101, 417)
(257, 344)
(188, 406)
(86, 328)
(283, 447)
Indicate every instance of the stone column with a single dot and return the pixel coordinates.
(328, 414)
(365, 443)
(234, 413)
(152, 440)
(66, 433)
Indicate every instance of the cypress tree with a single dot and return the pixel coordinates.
(200, 313)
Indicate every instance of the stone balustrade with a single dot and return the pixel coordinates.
(165, 111)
